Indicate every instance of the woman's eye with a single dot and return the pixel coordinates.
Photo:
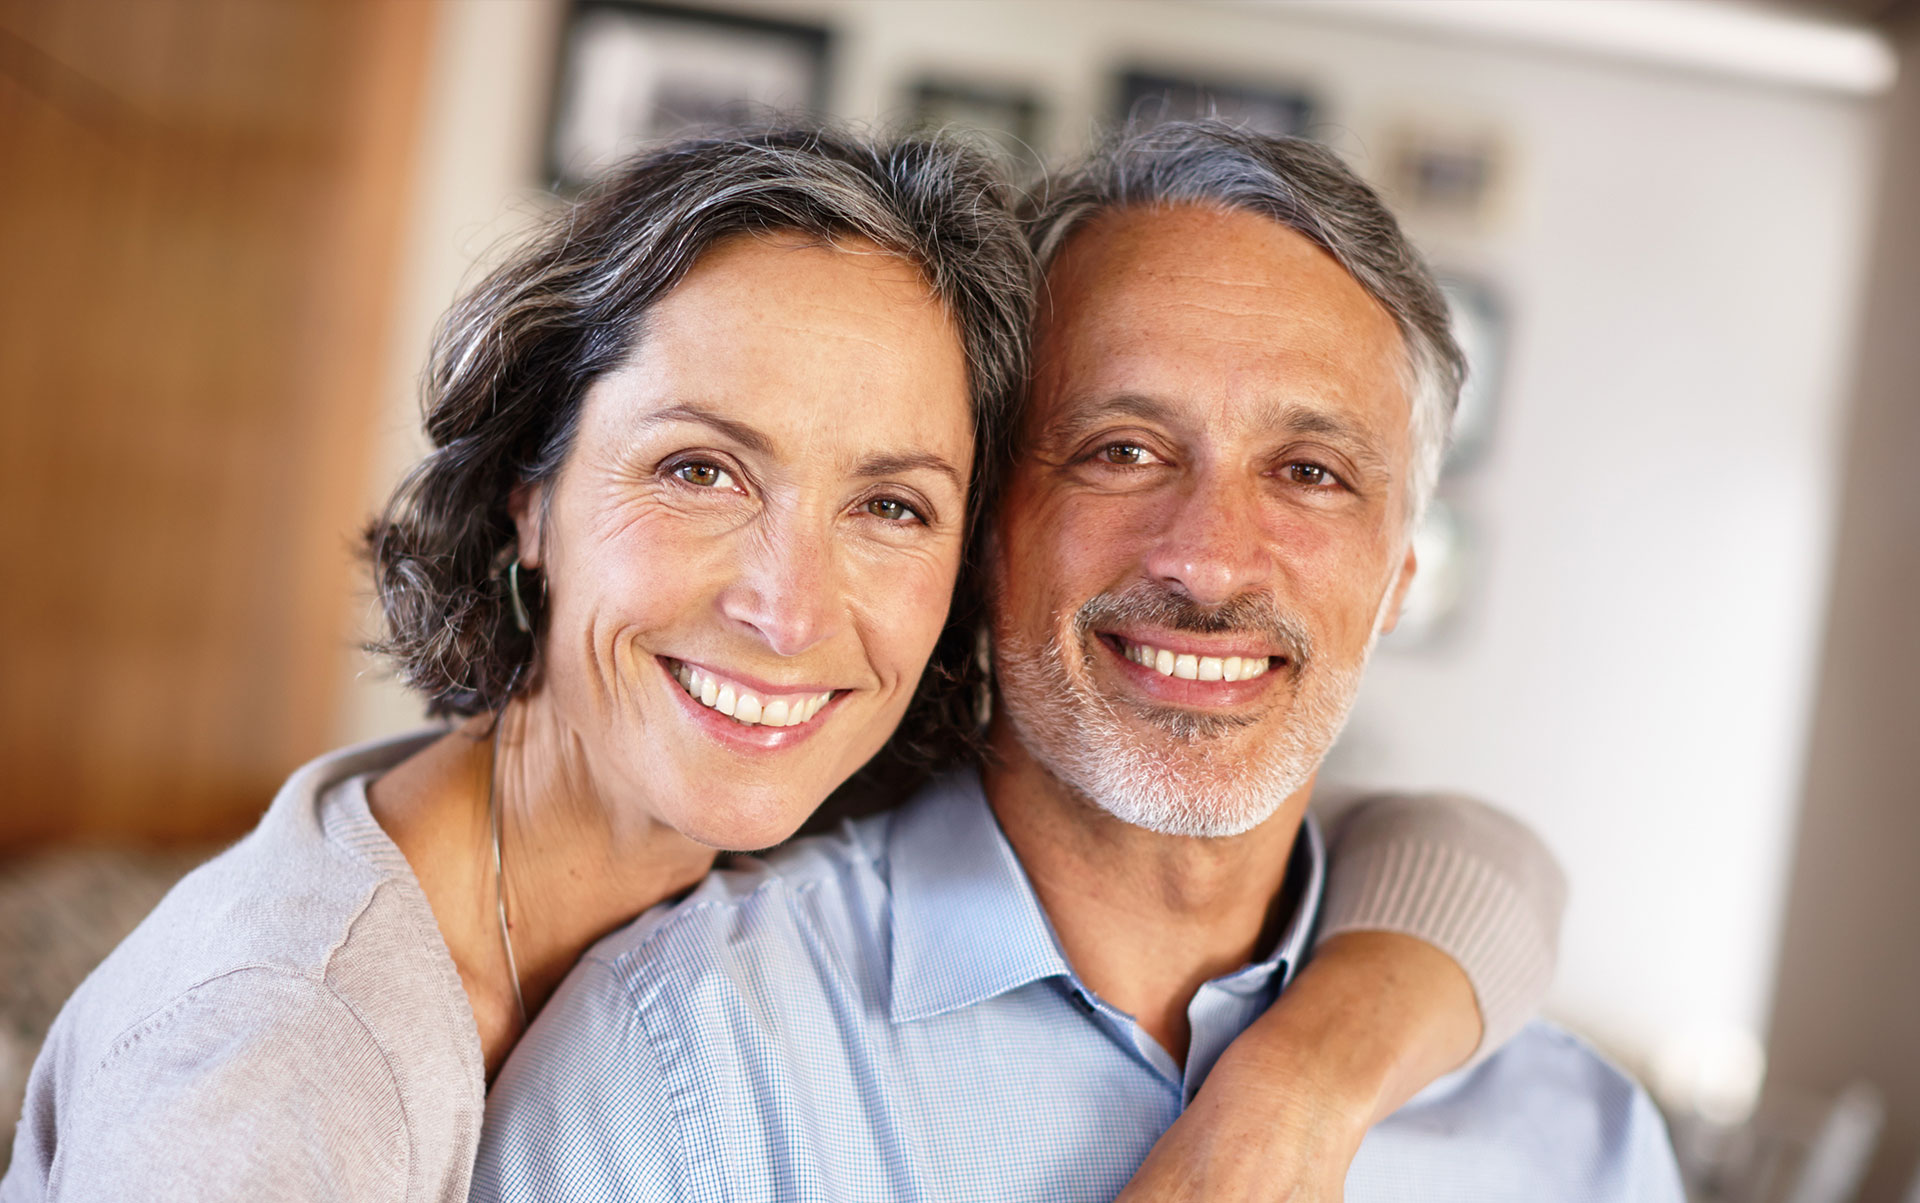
(891, 509)
(704, 475)
(1312, 476)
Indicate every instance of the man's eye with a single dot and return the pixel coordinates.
(1312, 476)
(892, 509)
(704, 475)
(1125, 453)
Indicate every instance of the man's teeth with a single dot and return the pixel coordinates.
(749, 708)
(1196, 668)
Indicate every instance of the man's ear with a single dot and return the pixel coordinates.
(1398, 597)
(527, 505)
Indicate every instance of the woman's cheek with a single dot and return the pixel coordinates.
(914, 601)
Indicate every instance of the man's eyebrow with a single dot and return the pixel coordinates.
(1356, 441)
(1083, 413)
(734, 429)
(893, 464)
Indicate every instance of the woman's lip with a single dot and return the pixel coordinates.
(753, 684)
(745, 737)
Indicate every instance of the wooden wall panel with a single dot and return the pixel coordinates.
(200, 206)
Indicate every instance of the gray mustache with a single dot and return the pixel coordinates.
(1253, 614)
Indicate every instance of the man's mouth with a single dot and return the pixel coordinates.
(752, 707)
(1189, 666)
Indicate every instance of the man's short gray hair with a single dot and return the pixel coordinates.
(1304, 186)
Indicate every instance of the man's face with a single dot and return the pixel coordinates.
(1206, 529)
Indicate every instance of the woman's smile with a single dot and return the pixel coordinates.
(746, 703)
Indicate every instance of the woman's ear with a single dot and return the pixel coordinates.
(527, 506)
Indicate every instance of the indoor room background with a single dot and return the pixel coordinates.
(1666, 602)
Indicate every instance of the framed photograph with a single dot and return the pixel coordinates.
(1154, 96)
(1008, 116)
(1480, 327)
(1444, 173)
(631, 73)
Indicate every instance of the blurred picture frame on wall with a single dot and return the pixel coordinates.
(1447, 173)
(1151, 95)
(1010, 117)
(633, 72)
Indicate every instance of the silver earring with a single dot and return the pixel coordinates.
(520, 618)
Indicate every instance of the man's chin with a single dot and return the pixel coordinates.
(1194, 809)
(1198, 787)
(1192, 726)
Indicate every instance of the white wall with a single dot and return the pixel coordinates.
(1680, 254)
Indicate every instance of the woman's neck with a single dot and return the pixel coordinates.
(574, 865)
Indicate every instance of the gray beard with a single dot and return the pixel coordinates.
(1185, 776)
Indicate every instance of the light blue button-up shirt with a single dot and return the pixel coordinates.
(885, 1014)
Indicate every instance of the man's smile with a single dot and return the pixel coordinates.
(1203, 672)
(1194, 666)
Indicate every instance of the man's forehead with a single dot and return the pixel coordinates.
(1233, 261)
(1154, 298)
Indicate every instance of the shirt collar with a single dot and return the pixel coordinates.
(966, 924)
(1308, 866)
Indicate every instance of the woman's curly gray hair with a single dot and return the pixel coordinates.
(513, 360)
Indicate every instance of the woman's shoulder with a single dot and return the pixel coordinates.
(300, 966)
(314, 887)
(257, 1083)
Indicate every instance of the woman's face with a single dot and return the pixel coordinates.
(751, 546)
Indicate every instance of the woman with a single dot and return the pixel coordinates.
(706, 458)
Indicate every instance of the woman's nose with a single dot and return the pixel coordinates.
(787, 589)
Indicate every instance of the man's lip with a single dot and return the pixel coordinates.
(1186, 643)
(1183, 691)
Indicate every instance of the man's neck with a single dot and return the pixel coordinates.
(1145, 919)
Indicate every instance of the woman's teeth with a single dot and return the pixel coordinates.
(1196, 668)
(788, 710)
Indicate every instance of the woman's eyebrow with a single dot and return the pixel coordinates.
(733, 428)
(885, 464)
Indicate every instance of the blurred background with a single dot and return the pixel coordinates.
(1666, 603)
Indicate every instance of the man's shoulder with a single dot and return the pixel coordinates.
(1547, 1113)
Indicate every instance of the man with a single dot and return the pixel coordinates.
(1011, 987)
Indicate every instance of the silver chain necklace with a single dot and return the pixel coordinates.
(499, 878)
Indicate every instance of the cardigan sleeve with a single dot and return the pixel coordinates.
(1470, 880)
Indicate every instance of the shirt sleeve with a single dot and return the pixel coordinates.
(1473, 882)
(582, 1109)
(258, 1085)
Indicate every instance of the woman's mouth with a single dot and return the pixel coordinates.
(751, 707)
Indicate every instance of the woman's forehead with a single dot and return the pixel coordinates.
(817, 347)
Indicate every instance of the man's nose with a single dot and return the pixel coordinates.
(787, 589)
(1211, 545)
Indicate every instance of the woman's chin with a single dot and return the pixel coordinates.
(745, 825)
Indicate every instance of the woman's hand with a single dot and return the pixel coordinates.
(1372, 1019)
